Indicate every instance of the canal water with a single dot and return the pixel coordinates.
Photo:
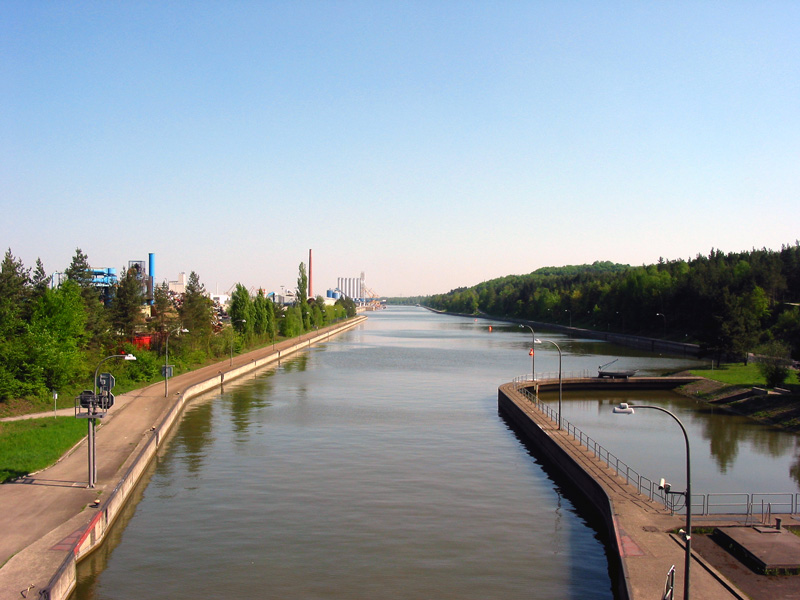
(376, 465)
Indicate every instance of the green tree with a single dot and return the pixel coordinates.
(163, 312)
(57, 329)
(241, 310)
(126, 307)
(302, 285)
(79, 270)
(97, 322)
(260, 316)
(302, 298)
(348, 306)
(14, 294)
(291, 324)
(316, 317)
(14, 338)
(196, 310)
(272, 317)
(39, 280)
(740, 321)
(263, 315)
(787, 328)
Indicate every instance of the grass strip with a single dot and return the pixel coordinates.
(738, 374)
(30, 445)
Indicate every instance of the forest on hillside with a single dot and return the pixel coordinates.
(728, 303)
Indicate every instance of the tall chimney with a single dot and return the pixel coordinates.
(151, 268)
(310, 277)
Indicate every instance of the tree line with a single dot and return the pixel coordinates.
(728, 303)
(53, 336)
(259, 318)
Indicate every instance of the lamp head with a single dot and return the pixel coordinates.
(624, 409)
(130, 357)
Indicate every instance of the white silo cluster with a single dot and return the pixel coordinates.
(352, 287)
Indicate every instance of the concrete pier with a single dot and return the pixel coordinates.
(642, 549)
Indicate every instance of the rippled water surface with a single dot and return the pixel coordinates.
(374, 465)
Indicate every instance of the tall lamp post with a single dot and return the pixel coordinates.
(167, 372)
(559, 376)
(273, 323)
(663, 316)
(91, 420)
(533, 354)
(627, 409)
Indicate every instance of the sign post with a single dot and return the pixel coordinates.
(96, 405)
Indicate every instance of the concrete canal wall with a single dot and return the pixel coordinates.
(641, 549)
(549, 450)
(63, 582)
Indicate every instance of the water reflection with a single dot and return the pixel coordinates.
(794, 470)
(240, 402)
(195, 436)
(730, 453)
(726, 432)
(296, 364)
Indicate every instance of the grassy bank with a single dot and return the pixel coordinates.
(740, 375)
(724, 387)
(29, 445)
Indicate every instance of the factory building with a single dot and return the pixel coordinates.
(351, 287)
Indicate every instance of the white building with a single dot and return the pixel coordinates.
(179, 287)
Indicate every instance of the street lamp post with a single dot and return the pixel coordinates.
(627, 409)
(91, 420)
(570, 316)
(533, 354)
(559, 376)
(663, 316)
(272, 330)
(166, 358)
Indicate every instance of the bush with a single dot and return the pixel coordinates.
(773, 362)
(147, 366)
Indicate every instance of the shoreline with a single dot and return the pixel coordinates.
(775, 410)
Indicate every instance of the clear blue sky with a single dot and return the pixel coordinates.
(429, 144)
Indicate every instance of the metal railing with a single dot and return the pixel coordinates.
(552, 376)
(702, 504)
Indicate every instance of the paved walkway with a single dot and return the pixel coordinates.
(647, 549)
(42, 515)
